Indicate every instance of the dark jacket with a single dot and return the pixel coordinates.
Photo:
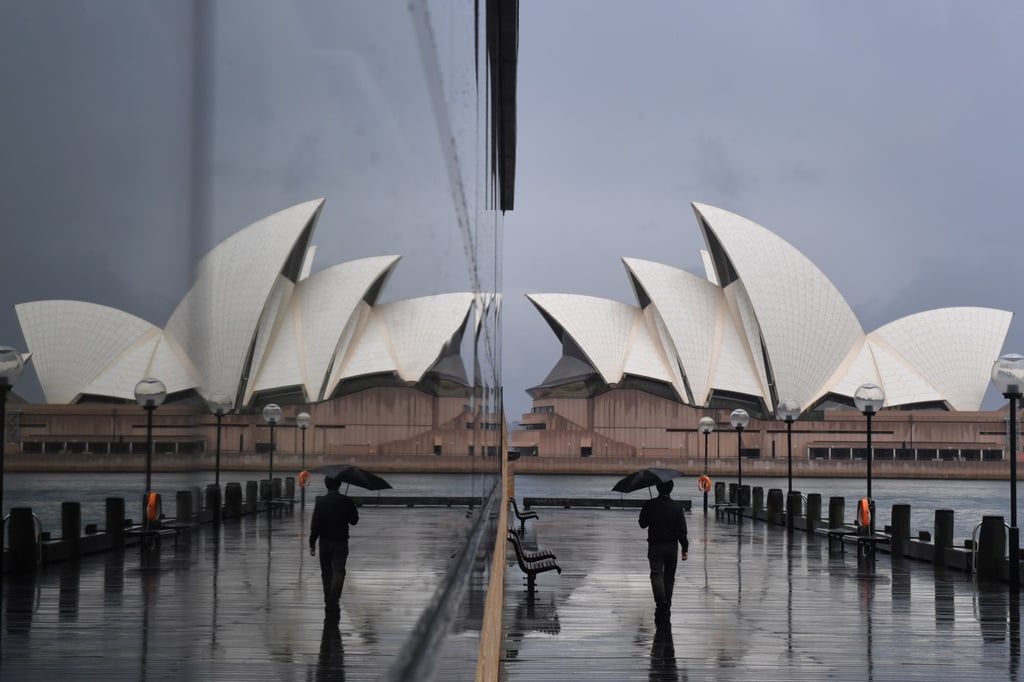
(332, 516)
(664, 520)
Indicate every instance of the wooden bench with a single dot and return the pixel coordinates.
(866, 544)
(527, 554)
(837, 533)
(150, 537)
(729, 511)
(522, 516)
(532, 568)
(280, 505)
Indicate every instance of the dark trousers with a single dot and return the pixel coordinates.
(333, 556)
(663, 557)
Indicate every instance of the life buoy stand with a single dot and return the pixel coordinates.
(304, 479)
(864, 512)
(152, 506)
(704, 484)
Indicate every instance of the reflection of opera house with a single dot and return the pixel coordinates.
(378, 378)
(763, 325)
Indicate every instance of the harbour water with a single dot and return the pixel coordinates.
(971, 500)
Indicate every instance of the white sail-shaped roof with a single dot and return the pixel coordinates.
(765, 325)
(646, 355)
(216, 323)
(807, 327)
(953, 347)
(600, 327)
(858, 368)
(418, 328)
(254, 321)
(689, 307)
(73, 342)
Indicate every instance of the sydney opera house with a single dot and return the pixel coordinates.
(256, 327)
(763, 324)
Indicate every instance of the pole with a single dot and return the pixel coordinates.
(270, 472)
(789, 447)
(705, 471)
(149, 461)
(216, 478)
(3, 446)
(869, 415)
(303, 466)
(739, 461)
(1014, 531)
(149, 446)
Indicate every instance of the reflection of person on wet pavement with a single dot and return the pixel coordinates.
(664, 666)
(666, 525)
(332, 516)
(331, 661)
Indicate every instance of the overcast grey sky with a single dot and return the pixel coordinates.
(883, 140)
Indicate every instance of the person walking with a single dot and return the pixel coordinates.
(332, 515)
(665, 522)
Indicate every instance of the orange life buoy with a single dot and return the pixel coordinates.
(704, 484)
(864, 511)
(152, 506)
(304, 479)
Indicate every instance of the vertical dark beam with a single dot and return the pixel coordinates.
(1014, 531)
(216, 479)
(705, 471)
(789, 448)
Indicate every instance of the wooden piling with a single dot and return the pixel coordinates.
(115, 521)
(23, 544)
(813, 511)
(900, 538)
(991, 547)
(71, 527)
(836, 512)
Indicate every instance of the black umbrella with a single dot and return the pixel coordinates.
(346, 473)
(644, 479)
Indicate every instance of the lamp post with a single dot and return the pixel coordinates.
(271, 415)
(303, 421)
(869, 399)
(11, 367)
(739, 420)
(220, 404)
(150, 393)
(788, 410)
(1008, 377)
(706, 426)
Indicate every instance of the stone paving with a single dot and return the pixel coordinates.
(751, 603)
(246, 604)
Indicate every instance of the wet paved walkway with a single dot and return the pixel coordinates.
(247, 607)
(749, 605)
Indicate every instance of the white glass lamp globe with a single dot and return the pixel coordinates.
(150, 392)
(869, 398)
(1008, 374)
(220, 404)
(788, 410)
(739, 419)
(272, 413)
